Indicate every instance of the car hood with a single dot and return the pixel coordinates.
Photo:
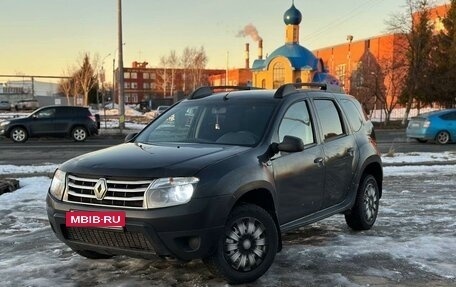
(18, 120)
(132, 160)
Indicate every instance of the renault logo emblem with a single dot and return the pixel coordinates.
(100, 188)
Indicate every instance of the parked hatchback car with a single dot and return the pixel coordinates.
(5, 105)
(57, 121)
(438, 125)
(219, 176)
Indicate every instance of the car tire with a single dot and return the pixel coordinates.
(248, 246)
(79, 134)
(92, 254)
(421, 140)
(19, 134)
(442, 137)
(363, 214)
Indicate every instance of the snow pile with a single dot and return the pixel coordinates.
(24, 169)
(420, 157)
(113, 110)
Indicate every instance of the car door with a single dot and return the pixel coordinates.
(299, 176)
(42, 122)
(449, 123)
(63, 118)
(340, 151)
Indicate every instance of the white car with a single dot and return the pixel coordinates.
(27, 105)
(5, 105)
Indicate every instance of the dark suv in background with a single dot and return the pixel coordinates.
(52, 121)
(220, 175)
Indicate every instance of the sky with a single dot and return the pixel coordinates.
(47, 37)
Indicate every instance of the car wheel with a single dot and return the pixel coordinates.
(19, 134)
(421, 140)
(443, 137)
(92, 254)
(248, 246)
(364, 213)
(79, 134)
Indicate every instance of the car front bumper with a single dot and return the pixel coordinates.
(184, 232)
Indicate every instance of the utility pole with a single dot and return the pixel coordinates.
(348, 87)
(121, 72)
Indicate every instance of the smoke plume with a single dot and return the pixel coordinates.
(250, 30)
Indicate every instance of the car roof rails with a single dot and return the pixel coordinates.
(287, 89)
(205, 91)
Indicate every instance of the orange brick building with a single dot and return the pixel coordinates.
(142, 83)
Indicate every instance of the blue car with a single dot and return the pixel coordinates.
(438, 125)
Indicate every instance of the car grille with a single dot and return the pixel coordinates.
(110, 238)
(120, 193)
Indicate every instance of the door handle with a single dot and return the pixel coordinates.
(350, 151)
(319, 161)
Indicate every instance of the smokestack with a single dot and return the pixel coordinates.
(260, 49)
(247, 56)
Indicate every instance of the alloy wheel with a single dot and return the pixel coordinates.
(79, 134)
(18, 135)
(443, 137)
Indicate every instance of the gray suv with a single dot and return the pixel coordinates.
(220, 176)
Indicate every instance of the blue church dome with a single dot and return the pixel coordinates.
(292, 16)
(298, 56)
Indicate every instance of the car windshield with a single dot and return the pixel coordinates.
(213, 122)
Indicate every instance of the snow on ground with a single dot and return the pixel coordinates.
(114, 124)
(24, 169)
(412, 244)
(420, 157)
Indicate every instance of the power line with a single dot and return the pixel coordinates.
(357, 10)
(32, 76)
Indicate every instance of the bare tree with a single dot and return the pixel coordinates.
(186, 63)
(66, 84)
(199, 64)
(417, 28)
(85, 77)
(163, 73)
(173, 62)
(393, 74)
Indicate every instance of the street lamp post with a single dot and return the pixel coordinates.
(349, 39)
(121, 74)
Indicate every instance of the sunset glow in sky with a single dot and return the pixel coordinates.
(45, 37)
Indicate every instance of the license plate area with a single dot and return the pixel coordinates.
(100, 219)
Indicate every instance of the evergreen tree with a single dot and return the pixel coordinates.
(417, 87)
(444, 59)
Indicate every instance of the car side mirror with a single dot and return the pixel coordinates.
(290, 144)
(129, 137)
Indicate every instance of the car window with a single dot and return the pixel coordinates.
(46, 113)
(330, 119)
(354, 116)
(232, 123)
(451, 116)
(296, 122)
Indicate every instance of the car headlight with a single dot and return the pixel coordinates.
(426, 124)
(58, 184)
(4, 123)
(170, 191)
